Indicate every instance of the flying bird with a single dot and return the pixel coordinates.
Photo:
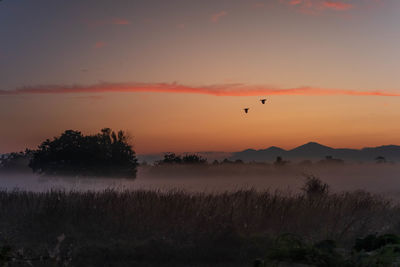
(246, 110)
(263, 100)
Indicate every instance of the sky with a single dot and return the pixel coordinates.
(176, 74)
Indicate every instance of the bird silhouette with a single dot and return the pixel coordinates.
(246, 110)
(263, 100)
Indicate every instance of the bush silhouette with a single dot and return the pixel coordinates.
(314, 186)
(105, 154)
(172, 158)
(380, 159)
(193, 159)
(280, 162)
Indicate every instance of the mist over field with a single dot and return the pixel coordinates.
(375, 178)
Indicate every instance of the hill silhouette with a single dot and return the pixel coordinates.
(314, 151)
(310, 150)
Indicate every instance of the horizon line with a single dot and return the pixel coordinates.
(219, 151)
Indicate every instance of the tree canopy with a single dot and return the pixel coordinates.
(15, 162)
(107, 153)
(172, 158)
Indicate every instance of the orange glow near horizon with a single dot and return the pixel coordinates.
(162, 122)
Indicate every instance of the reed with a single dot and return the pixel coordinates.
(176, 227)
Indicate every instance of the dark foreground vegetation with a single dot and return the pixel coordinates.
(175, 228)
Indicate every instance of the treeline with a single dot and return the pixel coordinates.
(106, 154)
(172, 158)
(195, 159)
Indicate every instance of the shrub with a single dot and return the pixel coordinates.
(314, 186)
(280, 162)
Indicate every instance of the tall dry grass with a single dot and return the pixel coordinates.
(178, 227)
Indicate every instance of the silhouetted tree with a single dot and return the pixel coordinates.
(105, 154)
(331, 160)
(280, 162)
(193, 159)
(172, 158)
(226, 161)
(15, 162)
(314, 187)
(380, 159)
(239, 161)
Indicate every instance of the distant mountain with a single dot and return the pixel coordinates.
(315, 151)
(268, 154)
(312, 151)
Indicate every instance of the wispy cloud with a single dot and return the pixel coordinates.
(99, 44)
(217, 16)
(180, 26)
(216, 90)
(112, 21)
(313, 6)
(337, 5)
(295, 2)
(258, 5)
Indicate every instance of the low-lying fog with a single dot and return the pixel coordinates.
(377, 178)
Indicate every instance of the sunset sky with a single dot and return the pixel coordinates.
(176, 74)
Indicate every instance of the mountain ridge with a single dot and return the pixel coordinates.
(307, 151)
(315, 150)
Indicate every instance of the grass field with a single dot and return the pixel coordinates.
(175, 228)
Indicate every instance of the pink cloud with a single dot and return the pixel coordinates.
(99, 44)
(216, 90)
(217, 16)
(337, 5)
(180, 26)
(257, 5)
(295, 2)
(315, 6)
